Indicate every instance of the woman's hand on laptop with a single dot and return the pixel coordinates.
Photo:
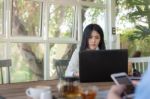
(115, 92)
(76, 74)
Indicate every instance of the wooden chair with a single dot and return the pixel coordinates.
(61, 65)
(140, 63)
(5, 63)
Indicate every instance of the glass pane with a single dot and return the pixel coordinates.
(61, 20)
(1, 17)
(3, 56)
(93, 15)
(59, 51)
(133, 25)
(26, 18)
(95, 1)
(2, 47)
(27, 62)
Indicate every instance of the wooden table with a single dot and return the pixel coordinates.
(17, 90)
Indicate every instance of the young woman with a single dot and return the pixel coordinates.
(92, 39)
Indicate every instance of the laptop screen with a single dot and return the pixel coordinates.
(97, 66)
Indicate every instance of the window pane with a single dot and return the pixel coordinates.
(93, 15)
(2, 47)
(27, 62)
(59, 51)
(26, 18)
(1, 17)
(95, 1)
(61, 19)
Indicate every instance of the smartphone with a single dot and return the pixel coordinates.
(122, 78)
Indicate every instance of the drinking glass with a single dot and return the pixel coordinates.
(89, 92)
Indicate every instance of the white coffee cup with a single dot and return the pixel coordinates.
(36, 92)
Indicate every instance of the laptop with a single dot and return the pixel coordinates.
(97, 66)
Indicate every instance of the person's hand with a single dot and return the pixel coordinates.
(76, 74)
(115, 92)
(135, 82)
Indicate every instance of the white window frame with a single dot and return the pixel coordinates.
(45, 38)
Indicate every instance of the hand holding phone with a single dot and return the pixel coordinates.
(123, 79)
(115, 92)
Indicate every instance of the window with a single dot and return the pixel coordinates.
(93, 15)
(38, 31)
(61, 21)
(27, 61)
(95, 1)
(1, 16)
(2, 46)
(55, 53)
(26, 18)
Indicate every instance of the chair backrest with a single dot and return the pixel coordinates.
(140, 63)
(61, 65)
(5, 63)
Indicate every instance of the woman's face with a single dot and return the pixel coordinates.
(94, 40)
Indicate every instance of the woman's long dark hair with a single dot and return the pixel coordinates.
(87, 33)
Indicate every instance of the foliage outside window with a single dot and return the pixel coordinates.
(133, 22)
(61, 21)
(27, 61)
(26, 18)
(93, 15)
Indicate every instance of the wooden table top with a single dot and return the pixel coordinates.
(17, 90)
